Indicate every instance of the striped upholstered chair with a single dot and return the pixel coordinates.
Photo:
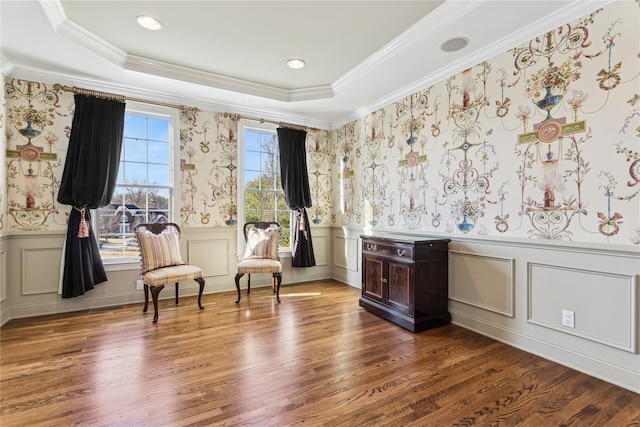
(161, 263)
(260, 255)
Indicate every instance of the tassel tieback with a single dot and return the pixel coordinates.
(83, 229)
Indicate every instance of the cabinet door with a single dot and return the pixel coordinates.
(400, 286)
(373, 277)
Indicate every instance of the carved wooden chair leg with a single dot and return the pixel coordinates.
(238, 276)
(278, 276)
(248, 283)
(155, 291)
(146, 298)
(200, 280)
(177, 294)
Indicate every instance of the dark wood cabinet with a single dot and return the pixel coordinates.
(405, 280)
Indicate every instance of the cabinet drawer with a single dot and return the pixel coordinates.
(393, 250)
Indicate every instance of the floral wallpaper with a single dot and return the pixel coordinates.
(37, 128)
(3, 147)
(540, 142)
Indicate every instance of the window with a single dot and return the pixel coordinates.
(144, 187)
(260, 186)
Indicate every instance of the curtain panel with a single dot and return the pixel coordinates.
(295, 184)
(88, 182)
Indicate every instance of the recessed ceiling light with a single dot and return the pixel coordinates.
(296, 64)
(455, 44)
(149, 22)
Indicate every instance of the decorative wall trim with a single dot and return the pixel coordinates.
(203, 253)
(320, 250)
(40, 270)
(345, 254)
(6, 66)
(61, 24)
(3, 275)
(481, 285)
(604, 303)
(159, 68)
(599, 367)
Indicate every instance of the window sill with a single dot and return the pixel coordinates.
(122, 265)
(284, 253)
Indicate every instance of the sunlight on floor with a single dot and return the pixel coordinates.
(301, 294)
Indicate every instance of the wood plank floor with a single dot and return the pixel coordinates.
(316, 359)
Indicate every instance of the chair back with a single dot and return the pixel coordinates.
(262, 239)
(262, 225)
(157, 227)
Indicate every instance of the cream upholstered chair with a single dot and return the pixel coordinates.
(161, 263)
(261, 254)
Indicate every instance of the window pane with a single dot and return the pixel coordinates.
(158, 174)
(282, 204)
(158, 129)
(251, 179)
(135, 173)
(252, 140)
(145, 160)
(158, 152)
(252, 215)
(269, 181)
(134, 150)
(263, 196)
(135, 126)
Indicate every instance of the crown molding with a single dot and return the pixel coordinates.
(443, 16)
(62, 25)
(204, 103)
(570, 12)
(6, 66)
(164, 69)
(54, 11)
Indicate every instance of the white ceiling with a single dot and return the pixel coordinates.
(230, 55)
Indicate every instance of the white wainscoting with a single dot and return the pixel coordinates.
(212, 255)
(345, 253)
(486, 282)
(3, 275)
(41, 270)
(321, 249)
(511, 290)
(602, 303)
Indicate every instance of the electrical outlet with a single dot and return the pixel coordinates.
(139, 285)
(568, 318)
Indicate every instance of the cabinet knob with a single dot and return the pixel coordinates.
(383, 280)
(401, 252)
(371, 247)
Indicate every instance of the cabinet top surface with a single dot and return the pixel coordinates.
(403, 238)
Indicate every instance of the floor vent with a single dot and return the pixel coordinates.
(103, 309)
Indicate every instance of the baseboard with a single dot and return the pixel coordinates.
(599, 368)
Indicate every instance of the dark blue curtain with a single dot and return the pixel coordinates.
(88, 182)
(295, 184)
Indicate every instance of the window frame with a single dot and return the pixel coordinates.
(252, 125)
(173, 117)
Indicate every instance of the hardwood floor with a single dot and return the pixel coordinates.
(316, 359)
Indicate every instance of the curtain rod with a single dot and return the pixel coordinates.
(262, 121)
(123, 98)
(115, 97)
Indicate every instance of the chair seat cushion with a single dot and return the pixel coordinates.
(174, 274)
(255, 265)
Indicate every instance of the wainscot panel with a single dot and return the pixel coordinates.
(600, 302)
(41, 270)
(483, 281)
